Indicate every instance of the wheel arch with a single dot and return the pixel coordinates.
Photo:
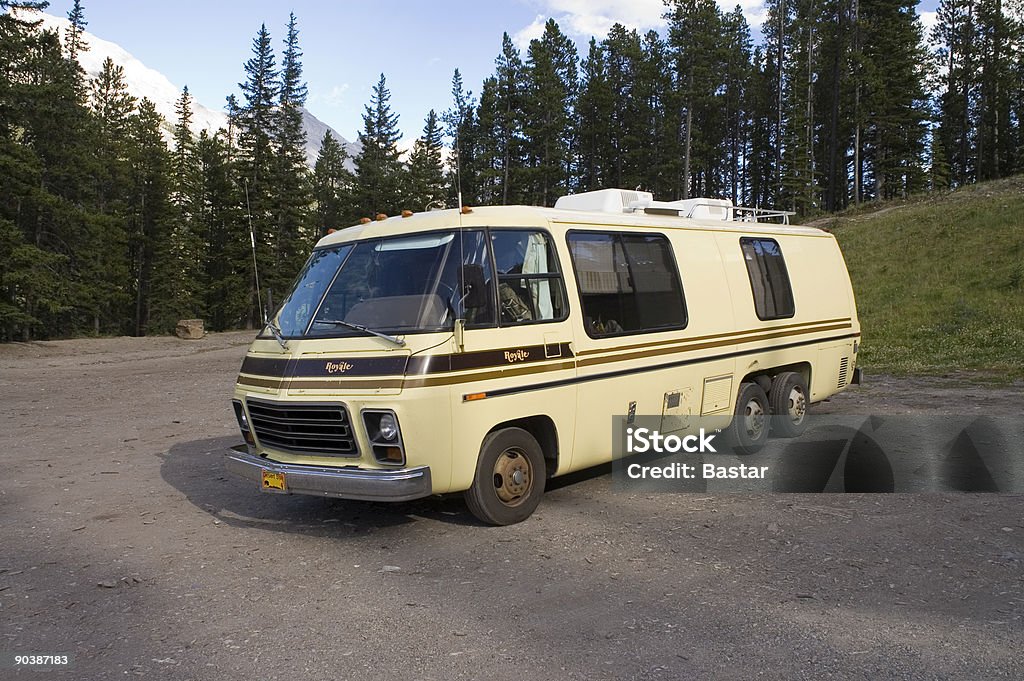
(760, 375)
(543, 430)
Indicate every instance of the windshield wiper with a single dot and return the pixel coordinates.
(360, 327)
(277, 334)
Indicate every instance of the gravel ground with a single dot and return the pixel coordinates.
(126, 546)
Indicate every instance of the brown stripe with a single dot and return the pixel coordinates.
(524, 370)
(703, 346)
(587, 378)
(488, 375)
(259, 382)
(714, 335)
(283, 384)
(486, 359)
(378, 384)
(408, 383)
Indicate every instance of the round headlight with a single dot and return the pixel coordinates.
(388, 427)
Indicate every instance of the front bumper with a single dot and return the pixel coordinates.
(367, 484)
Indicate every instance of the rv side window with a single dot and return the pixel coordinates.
(628, 283)
(530, 285)
(769, 281)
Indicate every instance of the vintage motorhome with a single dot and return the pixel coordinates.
(486, 350)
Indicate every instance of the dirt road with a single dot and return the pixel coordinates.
(126, 546)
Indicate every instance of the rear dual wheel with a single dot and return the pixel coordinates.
(748, 431)
(789, 403)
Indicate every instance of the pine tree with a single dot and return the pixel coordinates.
(694, 30)
(255, 120)
(552, 87)
(778, 21)
(73, 41)
(150, 224)
(800, 190)
(955, 34)
(489, 155)
(332, 187)
(835, 99)
(761, 102)
(624, 55)
(379, 171)
(594, 114)
(659, 163)
(462, 128)
(736, 83)
(503, 132)
(894, 100)
(180, 253)
(112, 108)
(228, 266)
(1000, 43)
(426, 169)
(184, 170)
(291, 188)
(46, 187)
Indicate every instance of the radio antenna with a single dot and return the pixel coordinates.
(252, 241)
(458, 173)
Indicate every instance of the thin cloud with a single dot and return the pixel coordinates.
(928, 20)
(334, 97)
(585, 18)
(534, 30)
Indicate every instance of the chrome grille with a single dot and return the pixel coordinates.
(844, 369)
(304, 428)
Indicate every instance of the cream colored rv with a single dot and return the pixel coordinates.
(486, 350)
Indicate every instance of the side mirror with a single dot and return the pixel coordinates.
(474, 287)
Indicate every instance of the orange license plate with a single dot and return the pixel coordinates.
(274, 482)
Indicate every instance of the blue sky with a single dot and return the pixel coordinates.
(347, 44)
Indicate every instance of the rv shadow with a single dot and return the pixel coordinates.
(196, 469)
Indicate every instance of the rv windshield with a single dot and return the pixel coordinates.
(398, 285)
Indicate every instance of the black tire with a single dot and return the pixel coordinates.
(498, 496)
(789, 402)
(748, 431)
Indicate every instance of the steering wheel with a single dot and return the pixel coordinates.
(449, 307)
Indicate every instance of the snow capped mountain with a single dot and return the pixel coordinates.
(143, 81)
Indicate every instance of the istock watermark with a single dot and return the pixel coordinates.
(644, 440)
(650, 441)
(835, 453)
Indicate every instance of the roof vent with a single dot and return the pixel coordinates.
(701, 209)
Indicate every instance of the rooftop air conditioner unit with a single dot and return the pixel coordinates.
(606, 200)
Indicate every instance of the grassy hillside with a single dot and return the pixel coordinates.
(940, 280)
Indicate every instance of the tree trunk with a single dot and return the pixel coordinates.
(856, 107)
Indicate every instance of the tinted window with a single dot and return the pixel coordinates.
(628, 283)
(529, 282)
(769, 281)
(402, 284)
(298, 307)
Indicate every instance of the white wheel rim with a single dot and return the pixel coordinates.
(797, 406)
(753, 419)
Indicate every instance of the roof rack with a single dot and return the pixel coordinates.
(636, 201)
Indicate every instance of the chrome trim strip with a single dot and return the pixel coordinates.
(365, 484)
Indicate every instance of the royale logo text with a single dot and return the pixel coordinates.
(338, 367)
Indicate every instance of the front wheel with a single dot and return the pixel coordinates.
(748, 431)
(509, 480)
